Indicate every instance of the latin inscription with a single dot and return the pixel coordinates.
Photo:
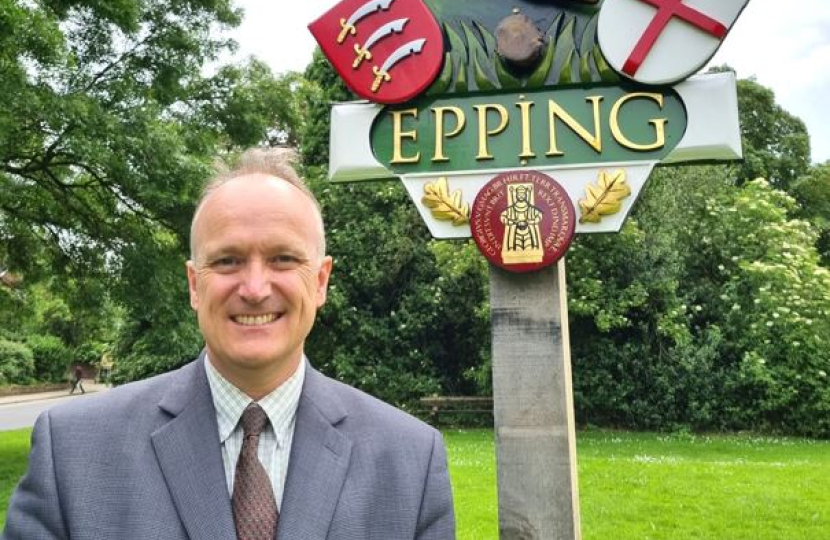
(522, 220)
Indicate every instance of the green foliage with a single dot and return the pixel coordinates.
(88, 353)
(52, 358)
(708, 310)
(462, 293)
(634, 364)
(57, 319)
(813, 195)
(771, 299)
(148, 347)
(376, 330)
(13, 309)
(161, 332)
(406, 316)
(109, 124)
(251, 106)
(14, 451)
(17, 365)
(776, 144)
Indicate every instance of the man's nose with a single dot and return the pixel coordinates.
(255, 285)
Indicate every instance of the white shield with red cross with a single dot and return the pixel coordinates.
(386, 51)
(663, 41)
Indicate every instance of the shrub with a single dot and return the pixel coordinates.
(88, 353)
(52, 358)
(17, 364)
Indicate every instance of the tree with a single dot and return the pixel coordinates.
(776, 144)
(813, 195)
(108, 127)
(755, 276)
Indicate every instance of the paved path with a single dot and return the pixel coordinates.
(21, 411)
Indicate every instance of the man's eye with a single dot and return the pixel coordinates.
(225, 262)
(283, 261)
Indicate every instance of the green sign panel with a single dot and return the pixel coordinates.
(534, 128)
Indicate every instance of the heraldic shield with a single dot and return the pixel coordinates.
(387, 51)
(663, 41)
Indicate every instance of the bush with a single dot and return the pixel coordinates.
(17, 364)
(52, 358)
(88, 353)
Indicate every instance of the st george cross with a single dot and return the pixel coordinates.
(663, 41)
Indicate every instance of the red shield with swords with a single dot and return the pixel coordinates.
(387, 51)
(663, 41)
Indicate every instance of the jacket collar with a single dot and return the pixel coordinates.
(320, 458)
(189, 454)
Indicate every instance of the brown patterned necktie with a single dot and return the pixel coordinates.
(254, 507)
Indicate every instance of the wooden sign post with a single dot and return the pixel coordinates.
(537, 121)
(533, 405)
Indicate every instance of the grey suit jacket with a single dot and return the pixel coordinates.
(143, 462)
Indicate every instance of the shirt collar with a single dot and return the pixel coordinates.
(280, 405)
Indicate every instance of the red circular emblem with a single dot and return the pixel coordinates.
(522, 221)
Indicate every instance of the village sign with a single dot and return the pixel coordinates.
(592, 94)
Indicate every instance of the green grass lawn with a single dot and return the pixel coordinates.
(14, 451)
(636, 486)
(633, 486)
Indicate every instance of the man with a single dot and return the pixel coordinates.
(166, 458)
(77, 380)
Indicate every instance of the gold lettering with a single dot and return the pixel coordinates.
(398, 134)
(555, 110)
(658, 123)
(483, 132)
(460, 120)
(527, 151)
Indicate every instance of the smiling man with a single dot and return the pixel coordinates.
(257, 274)
(247, 442)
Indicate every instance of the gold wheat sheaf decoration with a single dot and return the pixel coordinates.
(604, 198)
(445, 206)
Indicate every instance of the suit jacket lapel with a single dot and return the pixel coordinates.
(319, 460)
(189, 453)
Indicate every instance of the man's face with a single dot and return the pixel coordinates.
(258, 277)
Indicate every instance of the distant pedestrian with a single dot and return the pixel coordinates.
(77, 382)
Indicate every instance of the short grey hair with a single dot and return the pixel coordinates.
(276, 162)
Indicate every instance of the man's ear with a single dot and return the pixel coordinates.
(191, 284)
(323, 280)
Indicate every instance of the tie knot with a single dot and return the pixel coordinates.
(253, 420)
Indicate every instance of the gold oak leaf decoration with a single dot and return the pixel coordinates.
(604, 198)
(445, 206)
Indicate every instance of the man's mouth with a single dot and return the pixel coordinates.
(255, 320)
